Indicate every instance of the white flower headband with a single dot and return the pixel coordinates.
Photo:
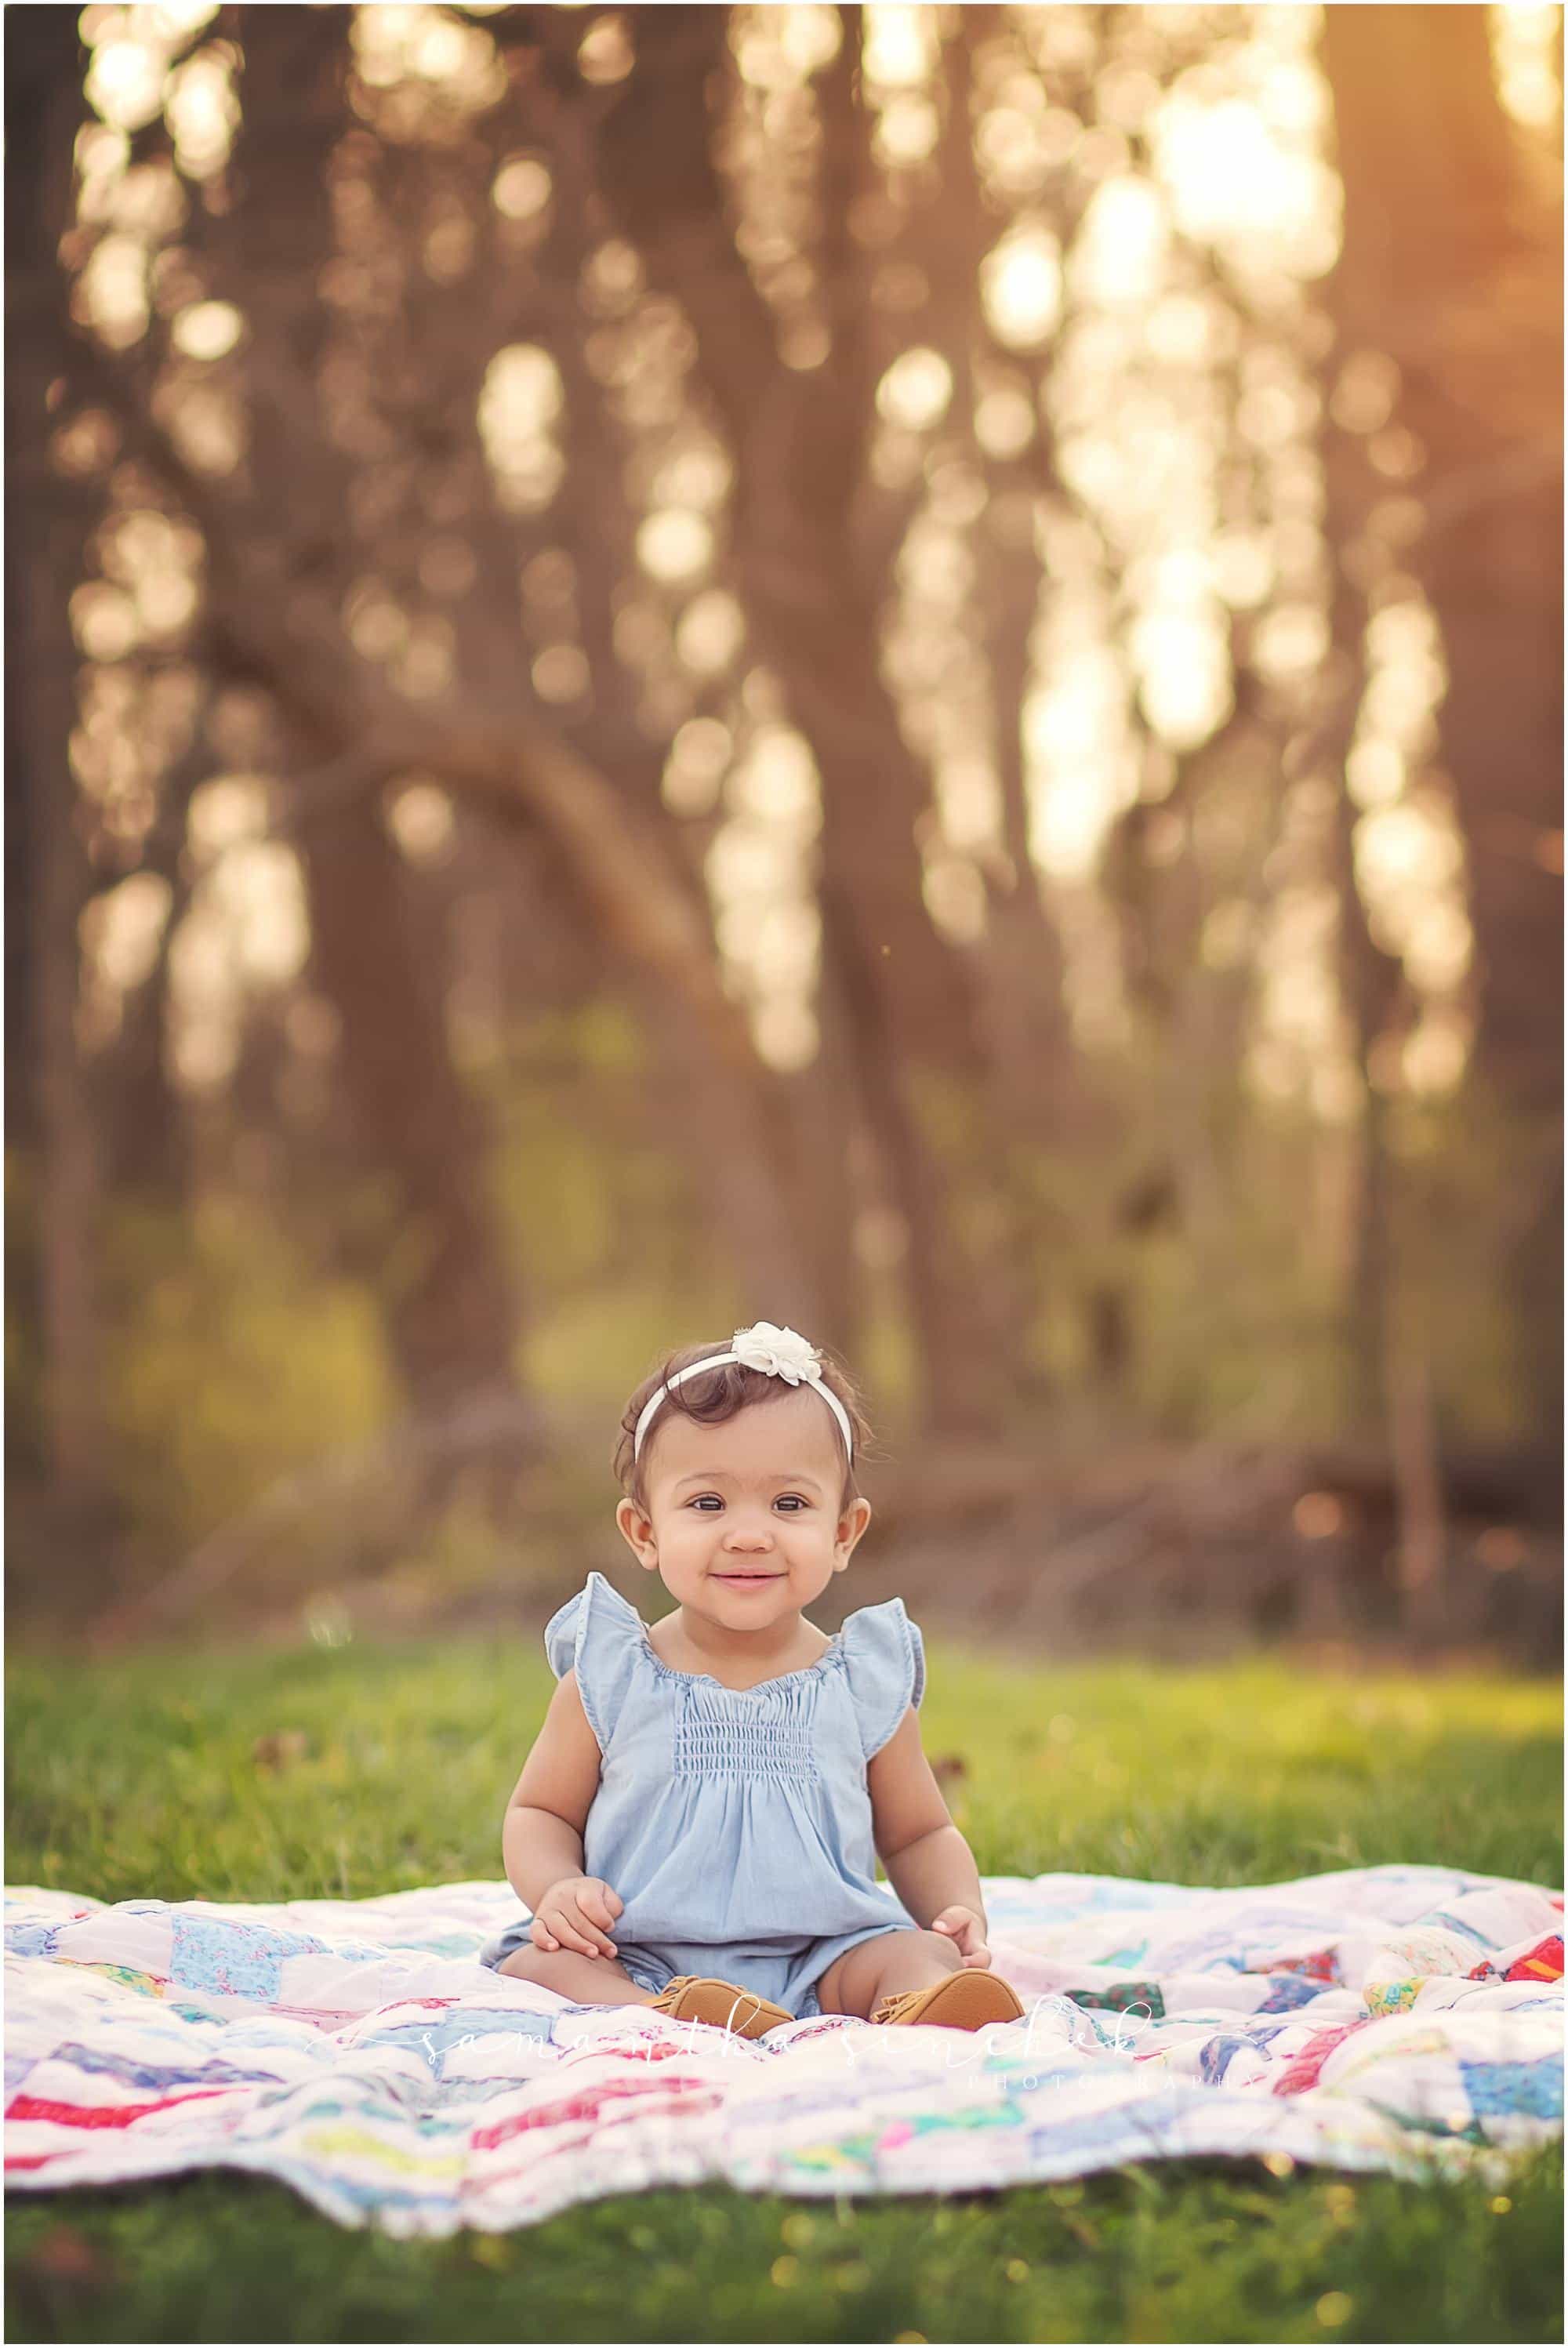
(777, 1354)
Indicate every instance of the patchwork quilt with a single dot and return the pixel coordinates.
(1391, 2018)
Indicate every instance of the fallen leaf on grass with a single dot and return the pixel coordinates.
(66, 2256)
(281, 1750)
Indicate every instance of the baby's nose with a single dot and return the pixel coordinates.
(742, 1536)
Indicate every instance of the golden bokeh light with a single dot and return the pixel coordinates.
(523, 187)
(693, 772)
(1122, 252)
(423, 821)
(710, 633)
(604, 54)
(915, 390)
(398, 43)
(674, 544)
(560, 674)
(519, 403)
(1527, 60)
(125, 82)
(1004, 422)
(898, 49)
(1021, 287)
(759, 867)
(1070, 722)
(201, 109)
(207, 330)
(246, 930)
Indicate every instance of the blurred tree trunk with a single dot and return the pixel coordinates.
(1039, 1110)
(828, 1112)
(445, 1288)
(1371, 980)
(49, 520)
(450, 1314)
(798, 441)
(1451, 263)
(143, 1143)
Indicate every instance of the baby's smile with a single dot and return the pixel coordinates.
(745, 1523)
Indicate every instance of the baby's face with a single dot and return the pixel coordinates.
(743, 1521)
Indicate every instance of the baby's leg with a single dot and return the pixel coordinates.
(857, 1981)
(586, 1981)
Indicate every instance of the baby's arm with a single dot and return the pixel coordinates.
(928, 1862)
(542, 1834)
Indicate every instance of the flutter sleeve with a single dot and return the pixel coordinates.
(599, 1636)
(885, 1662)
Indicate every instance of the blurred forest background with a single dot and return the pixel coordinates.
(892, 668)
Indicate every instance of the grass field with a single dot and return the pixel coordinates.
(142, 1778)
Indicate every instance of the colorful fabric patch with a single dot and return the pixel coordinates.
(1543, 1962)
(1319, 1965)
(1217, 2057)
(1302, 2071)
(16, 2069)
(234, 1960)
(1392, 1996)
(1123, 1997)
(33, 1940)
(126, 1976)
(1287, 1991)
(1514, 2087)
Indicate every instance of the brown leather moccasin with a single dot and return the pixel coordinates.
(691, 1998)
(962, 2000)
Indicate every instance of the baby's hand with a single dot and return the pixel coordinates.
(570, 1913)
(966, 1932)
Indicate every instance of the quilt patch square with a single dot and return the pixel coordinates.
(234, 1960)
(1532, 2087)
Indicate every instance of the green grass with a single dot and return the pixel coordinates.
(139, 1778)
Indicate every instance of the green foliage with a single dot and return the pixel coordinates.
(231, 1360)
(614, 1254)
(131, 1779)
(590, 1191)
(1468, 1167)
(1224, 1226)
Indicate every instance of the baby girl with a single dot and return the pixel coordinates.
(697, 1824)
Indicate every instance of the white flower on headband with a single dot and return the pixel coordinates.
(777, 1353)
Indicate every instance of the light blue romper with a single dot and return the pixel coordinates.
(734, 1823)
